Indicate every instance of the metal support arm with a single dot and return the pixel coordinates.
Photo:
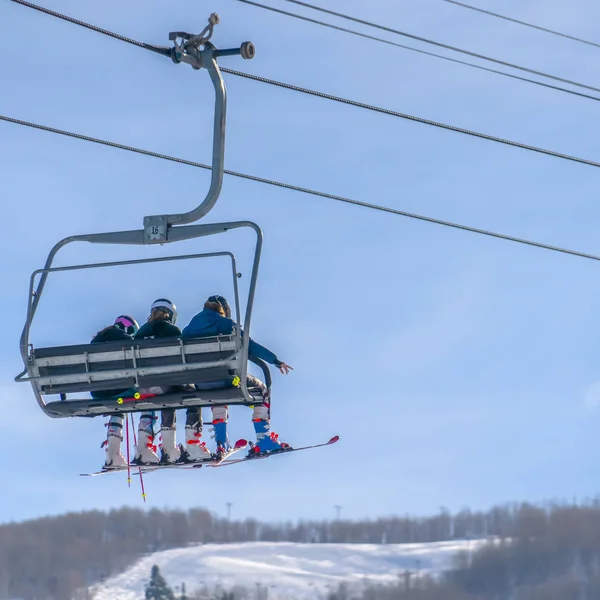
(198, 52)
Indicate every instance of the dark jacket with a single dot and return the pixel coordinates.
(209, 322)
(110, 334)
(160, 329)
(157, 329)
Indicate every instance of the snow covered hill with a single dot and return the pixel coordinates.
(287, 570)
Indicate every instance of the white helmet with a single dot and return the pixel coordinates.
(166, 306)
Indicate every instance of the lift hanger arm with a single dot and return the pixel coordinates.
(199, 52)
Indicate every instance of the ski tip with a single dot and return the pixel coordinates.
(334, 439)
(241, 443)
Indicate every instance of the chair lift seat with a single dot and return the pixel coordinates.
(140, 364)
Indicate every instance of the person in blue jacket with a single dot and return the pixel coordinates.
(123, 329)
(213, 320)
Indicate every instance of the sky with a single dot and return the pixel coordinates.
(458, 370)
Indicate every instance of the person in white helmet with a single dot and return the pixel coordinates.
(161, 324)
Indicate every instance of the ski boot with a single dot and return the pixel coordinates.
(169, 451)
(195, 449)
(220, 435)
(267, 442)
(145, 450)
(114, 437)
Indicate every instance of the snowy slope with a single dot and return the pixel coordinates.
(290, 571)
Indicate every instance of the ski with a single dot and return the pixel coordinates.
(239, 445)
(225, 463)
(111, 470)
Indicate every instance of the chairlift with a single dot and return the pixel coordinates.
(74, 370)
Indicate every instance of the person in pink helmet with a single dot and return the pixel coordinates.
(123, 329)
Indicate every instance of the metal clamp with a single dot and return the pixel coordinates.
(197, 58)
(195, 41)
(195, 49)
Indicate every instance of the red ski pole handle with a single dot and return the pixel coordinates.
(136, 396)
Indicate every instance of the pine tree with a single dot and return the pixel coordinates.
(157, 588)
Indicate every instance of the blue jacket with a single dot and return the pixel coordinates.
(209, 322)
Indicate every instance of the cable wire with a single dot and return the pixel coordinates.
(347, 101)
(166, 51)
(304, 190)
(298, 188)
(393, 113)
(397, 45)
(441, 45)
(122, 38)
(493, 14)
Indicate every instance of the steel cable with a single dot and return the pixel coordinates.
(304, 190)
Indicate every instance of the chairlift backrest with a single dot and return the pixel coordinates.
(136, 363)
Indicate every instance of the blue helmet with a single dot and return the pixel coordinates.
(223, 302)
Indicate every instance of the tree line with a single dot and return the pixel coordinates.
(52, 557)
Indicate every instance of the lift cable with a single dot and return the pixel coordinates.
(439, 44)
(393, 113)
(552, 31)
(304, 190)
(447, 58)
(289, 86)
(161, 50)
(122, 38)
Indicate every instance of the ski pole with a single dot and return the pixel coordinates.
(139, 468)
(128, 455)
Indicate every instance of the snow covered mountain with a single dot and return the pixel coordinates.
(286, 570)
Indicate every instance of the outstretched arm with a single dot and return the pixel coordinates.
(260, 351)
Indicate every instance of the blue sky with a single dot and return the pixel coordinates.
(458, 370)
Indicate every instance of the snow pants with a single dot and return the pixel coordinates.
(167, 416)
(259, 412)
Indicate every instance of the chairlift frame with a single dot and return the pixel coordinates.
(200, 53)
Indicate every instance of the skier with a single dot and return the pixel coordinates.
(124, 328)
(161, 324)
(213, 320)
